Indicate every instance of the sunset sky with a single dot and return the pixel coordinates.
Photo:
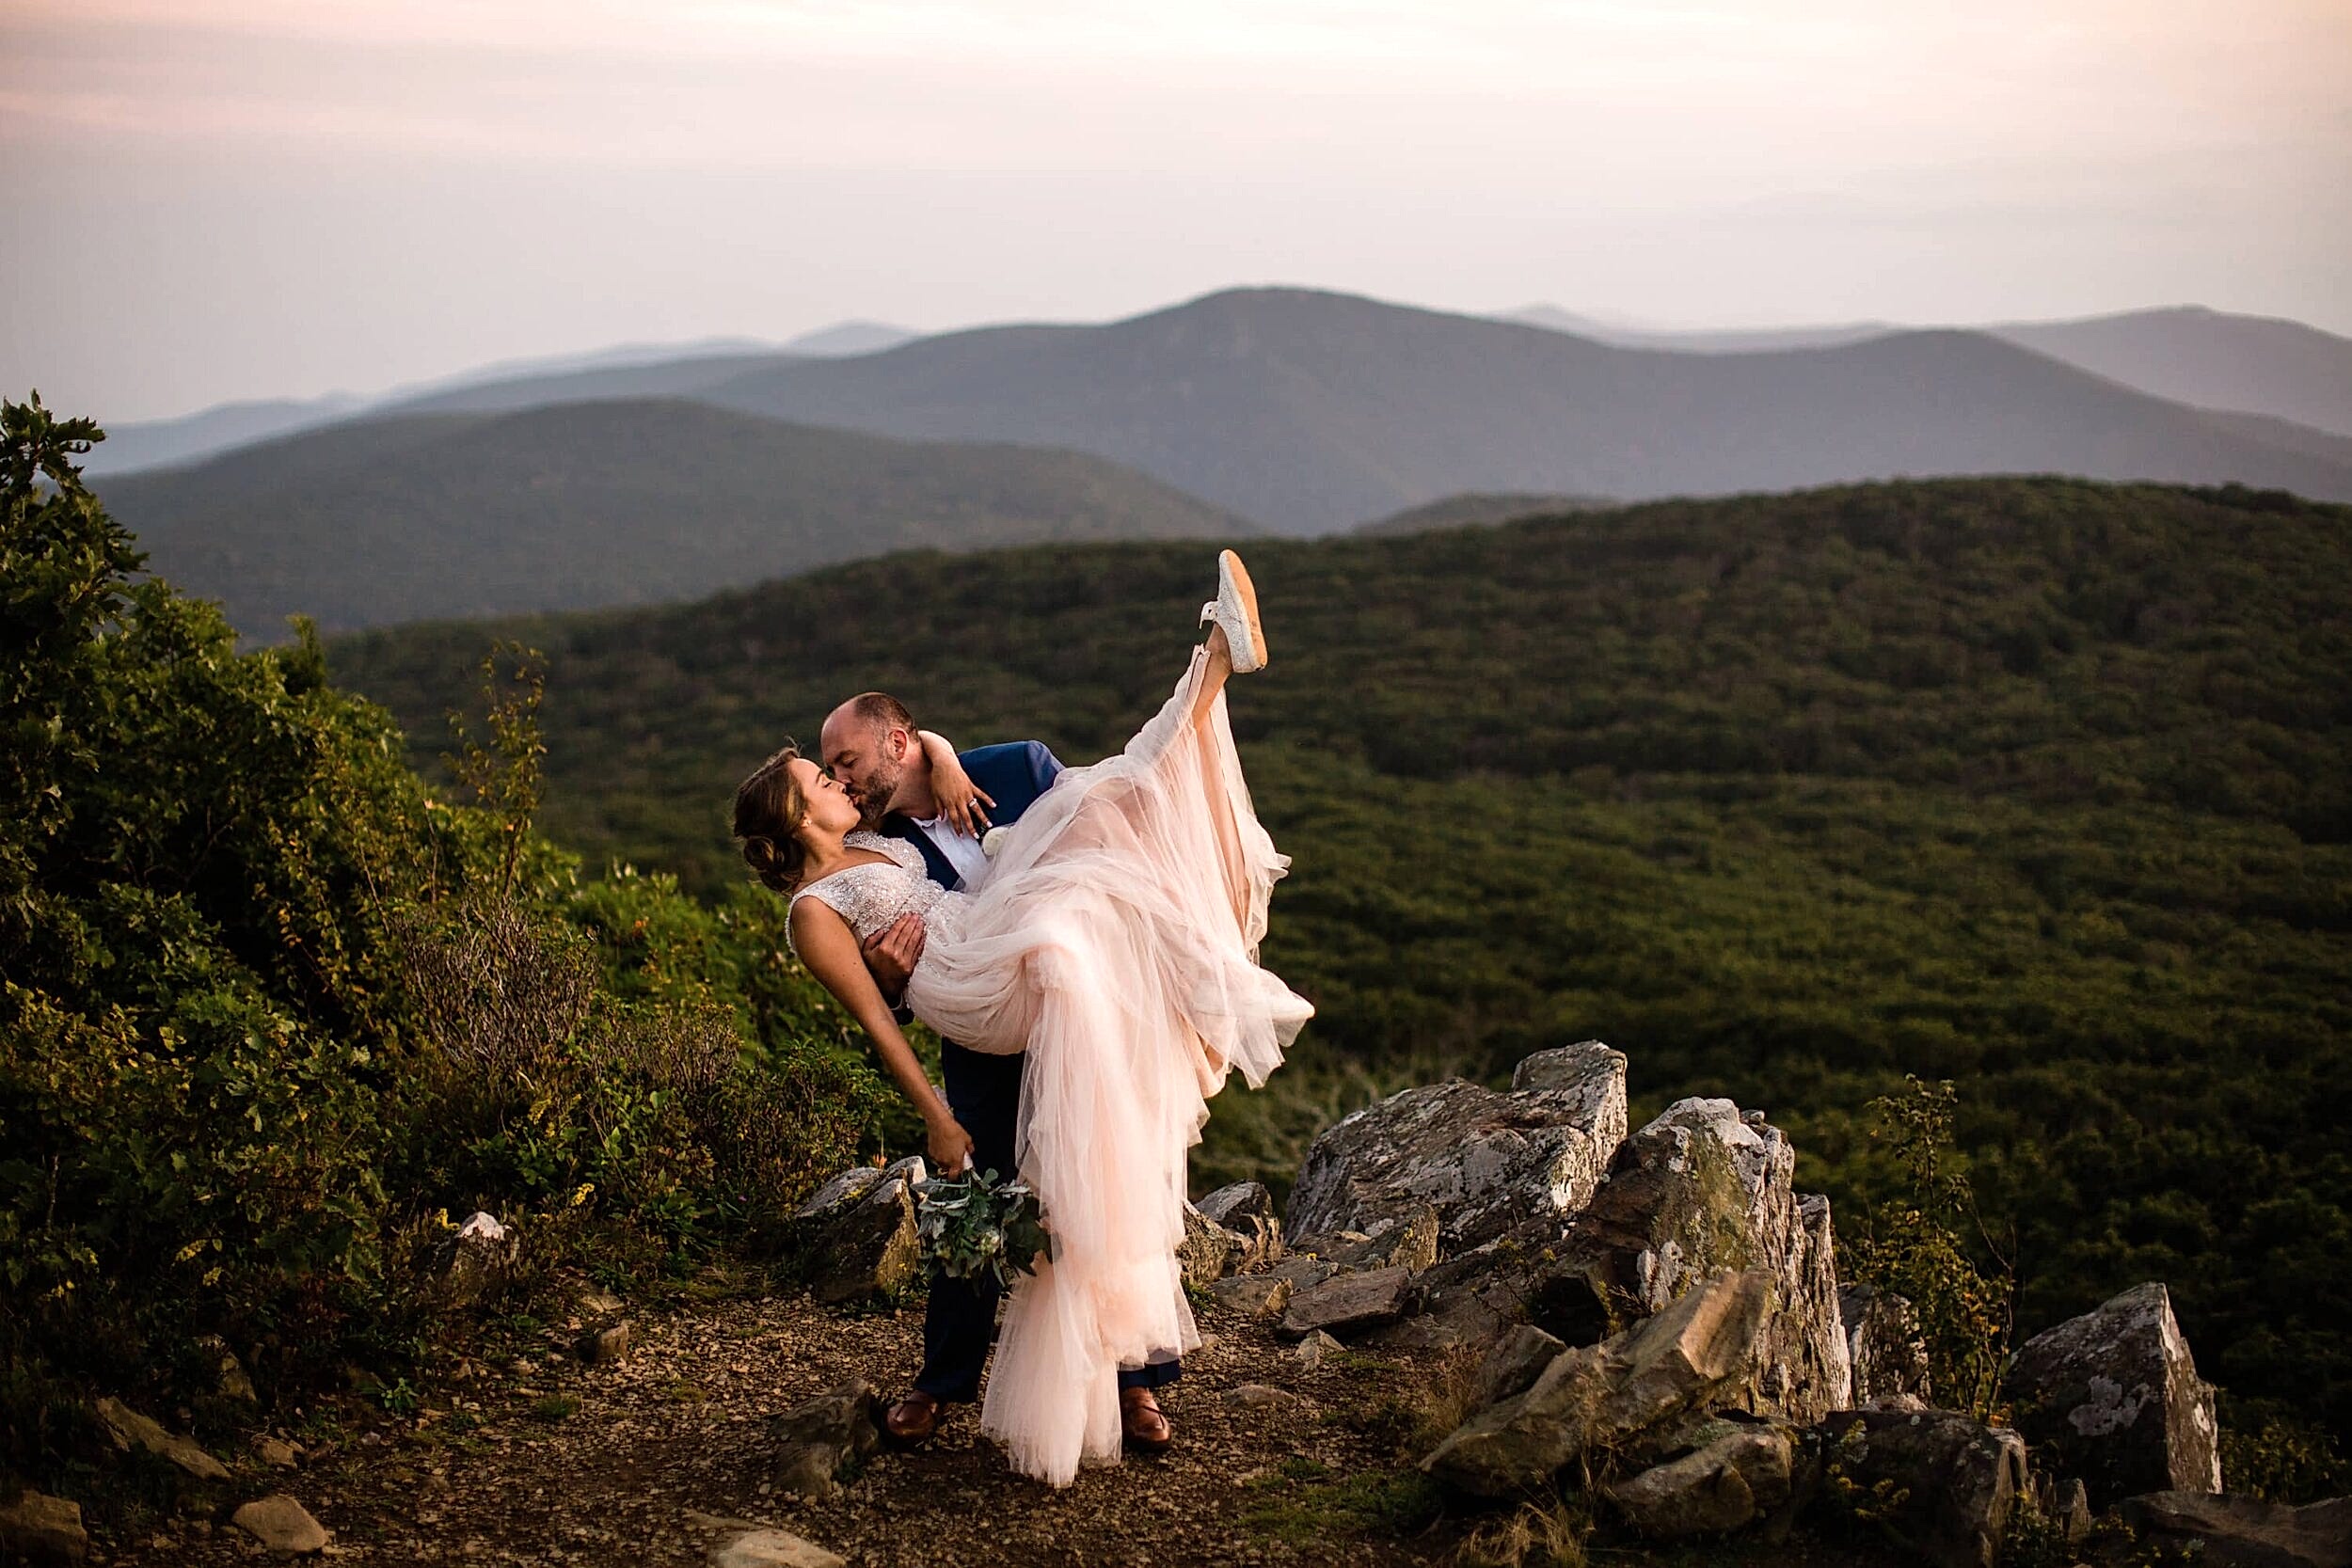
(226, 198)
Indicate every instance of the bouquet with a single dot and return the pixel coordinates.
(980, 1223)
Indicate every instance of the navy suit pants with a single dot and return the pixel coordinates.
(959, 1324)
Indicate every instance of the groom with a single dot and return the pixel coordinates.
(870, 747)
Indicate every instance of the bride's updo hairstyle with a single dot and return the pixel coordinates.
(768, 808)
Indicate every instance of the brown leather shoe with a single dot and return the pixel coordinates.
(1142, 1423)
(910, 1423)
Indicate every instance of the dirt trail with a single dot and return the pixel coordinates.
(654, 1459)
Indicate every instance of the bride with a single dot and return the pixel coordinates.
(1114, 936)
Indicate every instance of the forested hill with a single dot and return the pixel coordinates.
(637, 501)
(2040, 786)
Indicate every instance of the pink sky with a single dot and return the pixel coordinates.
(242, 198)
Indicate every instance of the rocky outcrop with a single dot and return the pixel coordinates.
(282, 1525)
(1410, 1243)
(2113, 1396)
(1888, 1353)
(1484, 1161)
(2221, 1531)
(1939, 1484)
(44, 1530)
(129, 1430)
(1731, 1483)
(855, 1235)
(1610, 1394)
(819, 1440)
(1703, 1189)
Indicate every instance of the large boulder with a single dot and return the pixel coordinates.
(2113, 1396)
(2226, 1532)
(1484, 1160)
(1887, 1349)
(1941, 1484)
(855, 1235)
(1732, 1482)
(1607, 1396)
(1701, 1190)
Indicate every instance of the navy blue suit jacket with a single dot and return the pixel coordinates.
(1013, 775)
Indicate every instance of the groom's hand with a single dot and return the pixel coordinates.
(892, 954)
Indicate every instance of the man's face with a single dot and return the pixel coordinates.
(868, 760)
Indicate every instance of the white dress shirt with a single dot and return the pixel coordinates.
(962, 852)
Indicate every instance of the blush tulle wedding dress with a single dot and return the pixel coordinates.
(1115, 939)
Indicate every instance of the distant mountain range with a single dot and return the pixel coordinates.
(1477, 510)
(162, 443)
(420, 516)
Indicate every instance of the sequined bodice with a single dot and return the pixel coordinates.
(871, 896)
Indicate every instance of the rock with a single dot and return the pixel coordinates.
(230, 1380)
(1606, 1395)
(2225, 1532)
(38, 1528)
(607, 1344)
(478, 1260)
(819, 1439)
(1316, 1349)
(1731, 1483)
(1237, 1206)
(2068, 1507)
(856, 1237)
(131, 1430)
(1515, 1360)
(1484, 1160)
(1888, 1353)
(1350, 1301)
(1208, 1252)
(1701, 1190)
(599, 1304)
(2113, 1396)
(1946, 1484)
(1258, 1294)
(1407, 1241)
(771, 1549)
(282, 1524)
(1474, 1297)
(275, 1452)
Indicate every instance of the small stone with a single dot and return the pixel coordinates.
(1236, 1206)
(604, 1346)
(275, 1452)
(42, 1529)
(131, 1430)
(1317, 1348)
(819, 1437)
(231, 1380)
(479, 1260)
(1209, 1251)
(771, 1549)
(1260, 1396)
(599, 1304)
(1350, 1301)
(282, 1525)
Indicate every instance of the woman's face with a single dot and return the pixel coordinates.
(829, 809)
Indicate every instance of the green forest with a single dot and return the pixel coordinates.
(2038, 786)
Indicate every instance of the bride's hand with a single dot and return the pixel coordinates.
(950, 1147)
(960, 801)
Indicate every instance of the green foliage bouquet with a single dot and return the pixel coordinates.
(979, 1222)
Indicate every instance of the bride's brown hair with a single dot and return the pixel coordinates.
(768, 809)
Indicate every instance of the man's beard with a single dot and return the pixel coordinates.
(873, 799)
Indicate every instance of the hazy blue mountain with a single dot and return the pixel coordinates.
(847, 338)
(1478, 509)
(682, 376)
(2210, 360)
(1309, 411)
(1697, 340)
(154, 443)
(580, 505)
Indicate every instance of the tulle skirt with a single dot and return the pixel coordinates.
(1115, 939)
